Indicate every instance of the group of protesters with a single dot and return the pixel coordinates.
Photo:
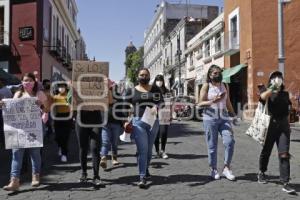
(150, 99)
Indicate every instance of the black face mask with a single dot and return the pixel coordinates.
(144, 81)
(217, 79)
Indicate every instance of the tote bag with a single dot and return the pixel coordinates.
(260, 124)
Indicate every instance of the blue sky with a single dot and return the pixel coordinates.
(109, 25)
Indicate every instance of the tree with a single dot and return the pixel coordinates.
(134, 62)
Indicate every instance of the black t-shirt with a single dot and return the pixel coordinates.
(140, 100)
(279, 105)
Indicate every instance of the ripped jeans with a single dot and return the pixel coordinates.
(279, 132)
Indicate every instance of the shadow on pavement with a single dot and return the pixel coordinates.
(121, 165)
(253, 177)
(186, 156)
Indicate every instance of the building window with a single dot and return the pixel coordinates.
(207, 48)
(218, 42)
(233, 21)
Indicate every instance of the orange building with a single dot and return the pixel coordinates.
(251, 38)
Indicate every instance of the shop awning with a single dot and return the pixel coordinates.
(227, 73)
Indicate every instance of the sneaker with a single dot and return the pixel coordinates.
(288, 189)
(164, 155)
(142, 183)
(215, 174)
(83, 178)
(103, 162)
(63, 158)
(97, 181)
(59, 152)
(228, 174)
(262, 178)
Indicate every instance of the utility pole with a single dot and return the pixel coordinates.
(281, 53)
(179, 63)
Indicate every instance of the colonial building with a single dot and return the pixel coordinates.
(165, 20)
(251, 39)
(5, 53)
(204, 50)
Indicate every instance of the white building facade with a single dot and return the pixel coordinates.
(4, 31)
(204, 50)
(61, 38)
(165, 20)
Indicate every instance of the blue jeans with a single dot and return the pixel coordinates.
(212, 129)
(144, 137)
(110, 137)
(17, 159)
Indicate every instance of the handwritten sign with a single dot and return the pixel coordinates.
(90, 85)
(22, 123)
(164, 114)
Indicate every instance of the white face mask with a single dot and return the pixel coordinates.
(159, 83)
(278, 81)
(62, 90)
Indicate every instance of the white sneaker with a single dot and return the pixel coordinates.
(164, 155)
(215, 174)
(228, 174)
(63, 158)
(59, 152)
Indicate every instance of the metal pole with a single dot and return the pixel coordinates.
(281, 56)
(179, 63)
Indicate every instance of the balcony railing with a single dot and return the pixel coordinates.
(231, 42)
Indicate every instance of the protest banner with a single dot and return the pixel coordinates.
(22, 123)
(90, 85)
(164, 113)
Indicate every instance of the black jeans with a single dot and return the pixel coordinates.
(163, 133)
(279, 132)
(63, 129)
(88, 137)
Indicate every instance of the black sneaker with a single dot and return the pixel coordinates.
(288, 189)
(148, 175)
(83, 178)
(97, 181)
(142, 183)
(262, 178)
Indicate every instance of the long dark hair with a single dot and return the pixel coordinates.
(163, 88)
(210, 70)
(35, 87)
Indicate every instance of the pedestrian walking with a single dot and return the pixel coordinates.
(279, 104)
(140, 97)
(214, 96)
(163, 123)
(29, 89)
(113, 129)
(62, 121)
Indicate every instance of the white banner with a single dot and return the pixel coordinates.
(164, 114)
(22, 123)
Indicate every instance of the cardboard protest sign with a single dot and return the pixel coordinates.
(22, 123)
(90, 85)
(164, 113)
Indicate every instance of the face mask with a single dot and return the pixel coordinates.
(28, 86)
(159, 83)
(62, 90)
(217, 79)
(144, 81)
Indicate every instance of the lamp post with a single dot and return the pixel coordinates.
(178, 53)
(281, 53)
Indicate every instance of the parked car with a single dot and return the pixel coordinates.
(183, 107)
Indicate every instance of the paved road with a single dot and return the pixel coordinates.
(183, 176)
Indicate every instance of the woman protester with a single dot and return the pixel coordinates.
(62, 120)
(279, 104)
(140, 97)
(163, 125)
(214, 96)
(113, 129)
(29, 89)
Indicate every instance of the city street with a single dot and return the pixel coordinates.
(183, 176)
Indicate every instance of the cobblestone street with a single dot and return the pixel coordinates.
(185, 175)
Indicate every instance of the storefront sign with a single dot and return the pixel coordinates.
(26, 33)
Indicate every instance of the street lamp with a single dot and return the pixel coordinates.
(281, 54)
(178, 53)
